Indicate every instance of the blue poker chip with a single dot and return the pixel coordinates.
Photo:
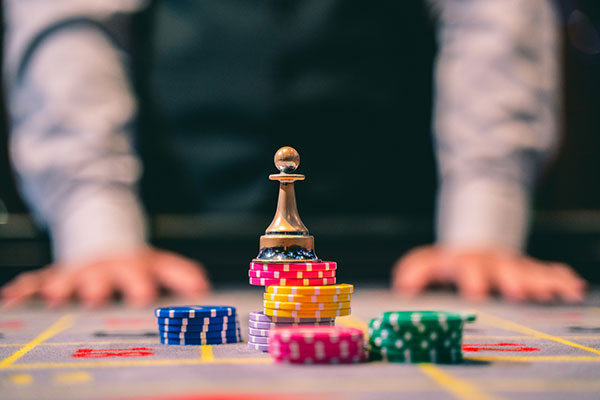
(197, 321)
(194, 311)
(197, 342)
(198, 328)
(201, 335)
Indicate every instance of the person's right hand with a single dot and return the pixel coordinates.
(138, 275)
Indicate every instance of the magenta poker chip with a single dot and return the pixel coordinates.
(309, 334)
(290, 274)
(292, 282)
(317, 266)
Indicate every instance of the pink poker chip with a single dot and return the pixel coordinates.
(316, 266)
(317, 350)
(317, 344)
(253, 273)
(308, 334)
(292, 282)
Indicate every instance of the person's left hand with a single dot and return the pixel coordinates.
(478, 272)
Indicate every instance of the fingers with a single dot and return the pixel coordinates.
(95, 287)
(507, 282)
(572, 287)
(473, 279)
(21, 289)
(414, 271)
(181, 275)
(135, 280)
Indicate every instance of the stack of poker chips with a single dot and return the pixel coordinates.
(298, 294)
(260, 325)
(317, 345)
(198, 325)
(417, 336)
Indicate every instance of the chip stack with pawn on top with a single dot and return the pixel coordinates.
(301, 289)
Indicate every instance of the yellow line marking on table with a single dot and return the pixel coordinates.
(139, 363)
(520, 337)
(69, 378)
(535, 358)
(460, 388)
(206, 353)
(513, 326)
(21, 379)
(60, 325)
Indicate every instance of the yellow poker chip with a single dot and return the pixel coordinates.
(307, 314)
(286, 305)
(342, 288)
(298, 298)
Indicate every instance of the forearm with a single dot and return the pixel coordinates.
(71, 112)
(495, 116)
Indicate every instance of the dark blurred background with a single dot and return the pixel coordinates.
(352, 92)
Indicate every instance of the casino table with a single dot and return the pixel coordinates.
(511, 351)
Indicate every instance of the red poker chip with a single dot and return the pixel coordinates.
(291, 274)
(292, 282)
(316, 266)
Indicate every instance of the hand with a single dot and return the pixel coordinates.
(137, 275)
(476, 273)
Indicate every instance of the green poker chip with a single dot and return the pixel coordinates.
(398, 318)
(449, 356)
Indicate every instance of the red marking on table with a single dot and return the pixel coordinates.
(105, 353)
(512, 347)
(135, 322)
(11, 324)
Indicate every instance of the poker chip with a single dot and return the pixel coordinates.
(286, 305)
(271, 325)
(317, 266)
(342, 288)
(201, 335)
(198, 328)
(417, 336)
(211, 341)
(298, 298)
(258, 346)
(258, 332)
(194, 311)
(291, 274)
(307, 313)
(291, 282)
(258, 339)
(317, 344)
(260, 316)
(201, 321)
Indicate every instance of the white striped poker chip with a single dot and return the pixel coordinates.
(194, 311)
(258, 332)
(314, 266)
(199, 328)
(258, 339)
(341, 288)
(259, 316)
(202, 335)
(299, 298)
(271, 325)
(206, 341)
(286, 305)
(199, 321)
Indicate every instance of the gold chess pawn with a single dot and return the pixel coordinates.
(286, 239)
